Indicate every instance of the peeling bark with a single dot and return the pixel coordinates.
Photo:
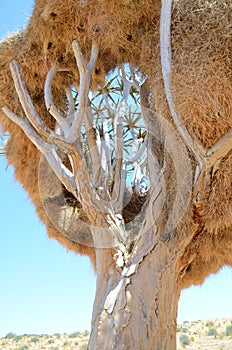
(136, 311)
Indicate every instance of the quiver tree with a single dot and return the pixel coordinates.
(172, 227)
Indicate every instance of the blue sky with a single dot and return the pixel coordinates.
(45, 289)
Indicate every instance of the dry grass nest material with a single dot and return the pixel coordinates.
(128, 31)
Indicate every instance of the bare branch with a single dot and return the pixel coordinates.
(84, 112)
(35, 128)
(103, 143)
(165, 51)
(31, 113)
(138, 80)
(221, 148)
(48, 150)
(119, 145)
(93, 58)
(205, 158)
(138, 154)
(93, 149)
(52, 109)
(127, 84)
(85, 71)
(25, 125)
(108, 105)
(120, 172)
(25, 99)
(106, 144)
(71, 105)
(48, 135)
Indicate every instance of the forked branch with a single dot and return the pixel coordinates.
(49, 150)
(49, 141)
(85, 71)
(165, 52)
(220, 149)
(205, 157)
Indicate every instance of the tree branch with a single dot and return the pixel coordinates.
(220, 149)
(85, 71)
(47, 134)
(71, 105)
(205, 158)
(51, 108)
(138, 154)
(48, 150)
(25, 99)
(119, 183)
(165, 52)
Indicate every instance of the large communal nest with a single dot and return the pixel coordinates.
(128, 31)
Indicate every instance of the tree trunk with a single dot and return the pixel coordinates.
(138, 309)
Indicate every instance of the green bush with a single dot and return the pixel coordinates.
(212, 331)
(74, 335)
(229, 330)
(210, 324)
(10, 335)
(184, 339)
(18, 337)
(23, 347)
(34, 340)
(222, 335)
(184, 330)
